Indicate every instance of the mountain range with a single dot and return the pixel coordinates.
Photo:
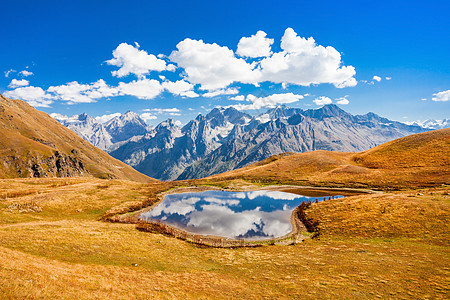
(226, 139)
(415, 161)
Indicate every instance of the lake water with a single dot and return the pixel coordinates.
(251, 215)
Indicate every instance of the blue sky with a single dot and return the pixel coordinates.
(258, 53)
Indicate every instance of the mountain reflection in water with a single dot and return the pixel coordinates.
(249, 215)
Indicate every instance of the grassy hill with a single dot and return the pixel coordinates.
(33, 144)
(419, 160)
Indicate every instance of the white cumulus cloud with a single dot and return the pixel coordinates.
(170, 111)
(131, 60)
(441, 96)
(377, 78)
(255, 46)
(303, 62)
(269, 101)
(229, 91)
(35, 96)
(190, 94)
(181, 88)
(163, 110)
(348, 83)
(212, 66)
(74, 92)
(322, 100)
(59, 117)
(25, 73)
(171, 67)
(142, 88)
(148, 116)
(238, 98)
(18, 83)
(342, 100)
(107, 117)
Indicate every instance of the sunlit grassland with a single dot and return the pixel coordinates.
(393, 245)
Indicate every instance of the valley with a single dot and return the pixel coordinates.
(72, 236)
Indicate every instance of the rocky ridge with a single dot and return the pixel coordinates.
(226, 138)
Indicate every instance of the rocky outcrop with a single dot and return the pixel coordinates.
(56, 165)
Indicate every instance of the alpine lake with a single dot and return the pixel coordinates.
(248, 215)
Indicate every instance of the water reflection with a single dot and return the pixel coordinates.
(249, 215)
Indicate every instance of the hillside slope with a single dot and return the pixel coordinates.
(431, 149)
(33, 144)
(418, 160)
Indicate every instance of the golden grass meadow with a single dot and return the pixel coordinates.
(391, 245)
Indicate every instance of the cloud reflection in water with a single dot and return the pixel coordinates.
(250, 215)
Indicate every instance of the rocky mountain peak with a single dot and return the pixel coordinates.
(281, 111)
(217, 118)
(434, 124)
(125, 126)
(230, 114)
(84, 117)
(235, 116)
(372, 115)
(327, 111)
(372, 118)
(129, 115)
(168, 124)
(127, 118)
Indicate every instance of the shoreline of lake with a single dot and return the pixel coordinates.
(298, 233)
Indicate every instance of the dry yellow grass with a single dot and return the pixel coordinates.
(429, 149)
(421, 215)
(63, 251)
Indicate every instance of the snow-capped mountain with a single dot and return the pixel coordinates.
(226, 138)
(432, 124)
(168, 149)
(88, 128)
(106, 136)
(126, 126)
